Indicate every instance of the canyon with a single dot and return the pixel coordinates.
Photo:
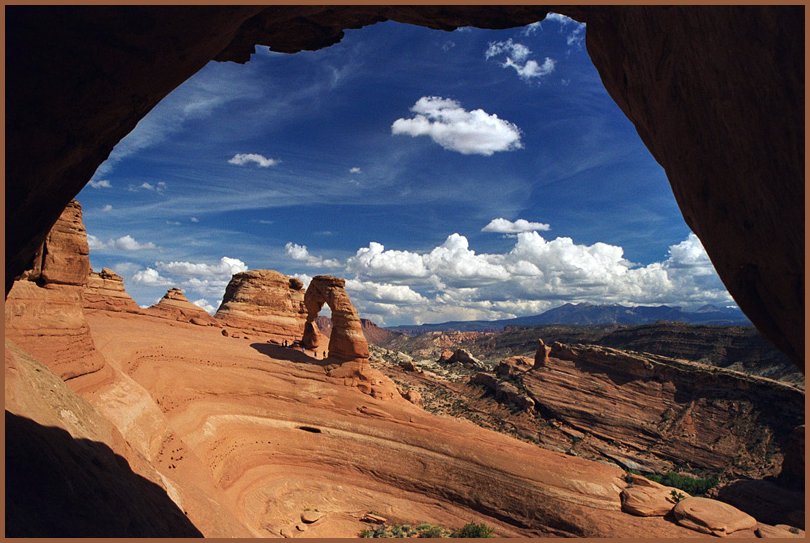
(167, 421)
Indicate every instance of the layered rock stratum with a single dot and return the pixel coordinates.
(174, 305)
(43, 311)
(264, 301)
(105, 290)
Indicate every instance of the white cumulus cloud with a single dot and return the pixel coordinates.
(243, 159)
(100, 184)
(454, 282)
(375, 261)
(203, 303)
(301, 253)
(107, 208)
(150, 277)
(456, 129)
(504, 226)
(355, 170)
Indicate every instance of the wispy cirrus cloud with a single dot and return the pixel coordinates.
(159, 187)
(123, 243)
(517, 58)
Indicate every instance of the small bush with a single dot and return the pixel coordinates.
(428, 531)
(677, 496)
(695, 486)
(474, 530)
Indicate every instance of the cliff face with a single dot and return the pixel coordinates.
(739, 348)
(733, 347)
(656, 412)
(264, 301)
(642, 411)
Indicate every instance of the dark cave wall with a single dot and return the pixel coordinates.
(716, 94)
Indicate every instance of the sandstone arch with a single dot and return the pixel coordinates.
(716, 94)
(346, 342)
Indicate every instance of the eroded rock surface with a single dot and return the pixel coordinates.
(64, 256)
(646, 498)
(43, 311)
(174, 305)
(712, 516)
(105, 290)
(663, 410)
(264, 301)
(346, 340)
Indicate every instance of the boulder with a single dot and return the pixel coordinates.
(514, 365)
(312, 338)
(264, 301)
(508, 393)
(712, 517)
(445, 357)
(463, 356)
(460, 356)
(310, 516)
(779, 531)
(486, 380)
(413, 396)
(645, 498)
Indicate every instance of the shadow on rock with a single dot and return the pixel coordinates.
(765, 501)
(58, 486)
(292, 354)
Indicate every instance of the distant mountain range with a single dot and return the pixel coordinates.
(585, 314)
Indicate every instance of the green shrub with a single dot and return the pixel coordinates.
(428, 531)
(473, 530)
(695, 486)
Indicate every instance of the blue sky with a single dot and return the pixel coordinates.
(447, 175)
